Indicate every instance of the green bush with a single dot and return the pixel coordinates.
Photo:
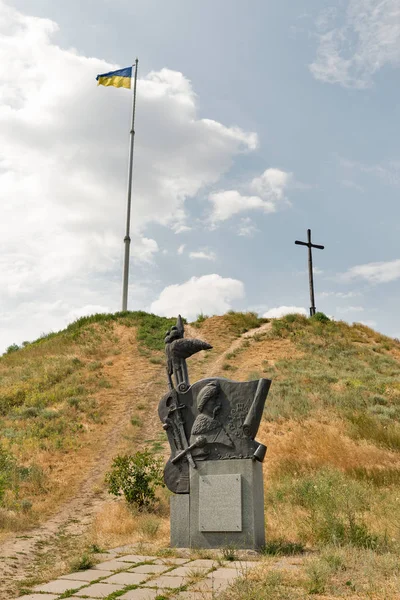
(320, 317)
(136, 477)
(12, 348)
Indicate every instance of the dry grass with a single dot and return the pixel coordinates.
(117, 525)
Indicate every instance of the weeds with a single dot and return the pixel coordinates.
(368, 427)
(280, 547)
(229, 553)
(82, 563)
(334, 507)
(200, 319)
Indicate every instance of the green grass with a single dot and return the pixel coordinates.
(341, 369)
(82, 563)
(151, 329)
(240, 322)
(281, 547)
(333, 504)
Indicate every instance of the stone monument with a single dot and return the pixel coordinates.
(215, 466)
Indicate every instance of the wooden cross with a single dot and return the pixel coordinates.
(310, 268)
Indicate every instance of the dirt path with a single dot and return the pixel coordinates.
(133, 377)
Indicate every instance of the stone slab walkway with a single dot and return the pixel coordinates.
(137, 577)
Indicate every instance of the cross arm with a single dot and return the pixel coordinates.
(301, 243)
(317, 246)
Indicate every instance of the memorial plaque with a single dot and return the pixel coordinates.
(220, 503)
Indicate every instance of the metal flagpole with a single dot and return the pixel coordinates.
(127, 239)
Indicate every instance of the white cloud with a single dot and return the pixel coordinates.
(349, 309)
(209, 294)
(247, 228)
(270, 188)
(63, 158)
(281, 311)
(181, 249)
(143, 249)
(181, 228)
(203, 254)
(352, 185)
(350, 53)
(340, 294)
(388, 172)
(271, 184)
(376, 272)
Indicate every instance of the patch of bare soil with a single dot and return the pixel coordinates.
(133, 378)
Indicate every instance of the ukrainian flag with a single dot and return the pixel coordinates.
(120, 78)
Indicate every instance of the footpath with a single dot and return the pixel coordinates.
(136, 577)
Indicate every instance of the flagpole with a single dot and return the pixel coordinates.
(127, 239)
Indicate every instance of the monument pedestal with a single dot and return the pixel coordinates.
(225, 506)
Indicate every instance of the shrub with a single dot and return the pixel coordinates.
(12, 348)
(82, 563)
(320, 317)
(136, 477)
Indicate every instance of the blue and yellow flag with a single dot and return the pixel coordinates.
(120, 78)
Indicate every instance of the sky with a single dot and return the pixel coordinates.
(255, 121)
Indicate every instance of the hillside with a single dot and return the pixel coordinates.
(72, 401)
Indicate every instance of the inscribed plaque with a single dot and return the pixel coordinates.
(220, 503)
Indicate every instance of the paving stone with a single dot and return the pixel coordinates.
(103, 556)
(229, 574)
(140, 594)
(38, 597)
(149, 569)
(135, 558)
(171, 561)
(88, 575)
(99, 590)
(58, 586)
(127, 578)
(203, 562)
(111, 565)
(165, 582)
(187, 570)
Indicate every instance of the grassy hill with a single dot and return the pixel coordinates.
(71, 401)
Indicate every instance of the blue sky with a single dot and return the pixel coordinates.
(254, 122)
